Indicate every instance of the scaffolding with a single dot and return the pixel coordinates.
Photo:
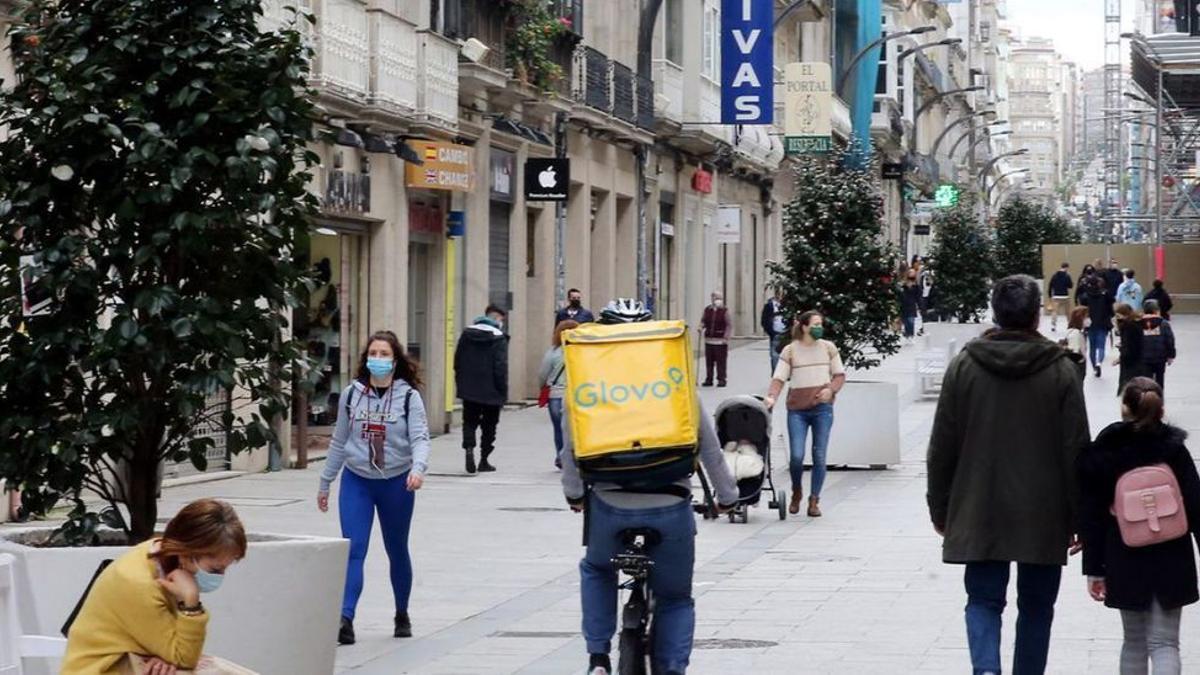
(1167, 69)
(1114, 197)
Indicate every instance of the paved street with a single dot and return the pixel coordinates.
(861, 590)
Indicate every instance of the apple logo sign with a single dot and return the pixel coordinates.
(547, 179)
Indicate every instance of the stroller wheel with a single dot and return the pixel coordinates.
(781, 504)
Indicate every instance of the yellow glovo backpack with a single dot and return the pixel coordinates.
(631, 402)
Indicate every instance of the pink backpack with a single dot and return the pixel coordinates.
(1149, 506)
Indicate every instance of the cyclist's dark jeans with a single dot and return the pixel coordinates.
(670, 580)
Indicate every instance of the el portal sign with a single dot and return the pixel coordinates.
(747, 61)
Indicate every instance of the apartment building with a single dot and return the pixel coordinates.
(1040, 113)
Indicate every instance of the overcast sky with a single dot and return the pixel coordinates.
(1076, 26)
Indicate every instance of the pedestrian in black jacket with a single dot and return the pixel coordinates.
(910, 304)
(1114, 276)
(1150, 584)
(1059, 292)
(481, 376)
(1100, 316)
(1159, 343)
(774, 324)
(1163, 297)
(1133, 356)
(1080, 289)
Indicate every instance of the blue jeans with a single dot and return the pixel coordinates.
(1037, 590)
(820, 420)
(358, 500)
(910, 326)
(556, 416)
(1096, 339)
(670, 581)
(773, 348)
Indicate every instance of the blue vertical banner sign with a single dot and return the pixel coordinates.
(747, 61)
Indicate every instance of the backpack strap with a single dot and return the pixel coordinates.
(407, 399)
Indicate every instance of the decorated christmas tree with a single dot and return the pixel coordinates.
(961, 260)
(836, 259)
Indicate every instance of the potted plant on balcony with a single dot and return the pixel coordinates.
(153, 186)
(535, 32)
(836, 259)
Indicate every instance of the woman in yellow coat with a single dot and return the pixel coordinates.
(148, 601)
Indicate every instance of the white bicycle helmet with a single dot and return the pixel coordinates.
(624, 310)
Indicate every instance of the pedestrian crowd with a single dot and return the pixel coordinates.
(1129, 499)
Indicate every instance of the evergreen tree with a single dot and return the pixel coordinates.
(837, 260)
(154, 172)
(961, 260)
(1021, 230)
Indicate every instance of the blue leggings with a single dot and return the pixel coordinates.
(358, 500)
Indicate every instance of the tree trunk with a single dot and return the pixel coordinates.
(141, 491)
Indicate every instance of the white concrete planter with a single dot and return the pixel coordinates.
(277, 611)
(866, 425)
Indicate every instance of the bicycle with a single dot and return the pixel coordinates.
(637, 628)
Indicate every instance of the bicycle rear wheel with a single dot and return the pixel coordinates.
(633, 653)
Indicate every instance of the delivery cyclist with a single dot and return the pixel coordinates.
(669, 511)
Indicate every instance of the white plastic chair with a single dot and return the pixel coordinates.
(14, 645)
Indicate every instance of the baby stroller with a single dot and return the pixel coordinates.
(745, 418)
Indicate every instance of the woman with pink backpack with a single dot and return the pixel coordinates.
(1140, 507)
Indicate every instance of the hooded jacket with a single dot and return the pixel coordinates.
(481, 364)
(1134, 576)
(1010, 423)
(400, 412)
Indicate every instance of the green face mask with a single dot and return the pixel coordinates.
(817, 332)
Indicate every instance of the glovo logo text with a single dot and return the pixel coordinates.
(592, 394)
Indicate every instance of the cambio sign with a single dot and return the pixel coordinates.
(747, 61)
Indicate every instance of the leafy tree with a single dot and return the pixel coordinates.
(155, 169)
(961, 260)
(1022, 228)
(836, 259)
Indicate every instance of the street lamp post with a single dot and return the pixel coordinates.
(912, 150)
(845, 74)
(1000, 179)
(982, 179)
(958, 141)
(984, 137)
(937, 142)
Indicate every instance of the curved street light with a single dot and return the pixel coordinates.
(1000, 179)
(983, 137)
(988, 167)
(958, 141)
(940, 95)
(965, 118)
(845, 74)
(928, 45)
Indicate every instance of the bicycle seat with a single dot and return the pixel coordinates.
(650, 536)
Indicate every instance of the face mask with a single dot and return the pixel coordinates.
(1087, 323)
(207, 581)
(380, 367)
(576, 304)
(817, 332)
(718, 303)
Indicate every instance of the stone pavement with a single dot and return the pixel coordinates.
(862, 590)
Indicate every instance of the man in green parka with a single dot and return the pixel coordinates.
(1010, 422)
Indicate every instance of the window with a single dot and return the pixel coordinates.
(881, 83)
(673, 25)
(711, 63)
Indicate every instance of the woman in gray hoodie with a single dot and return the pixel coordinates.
(553, 374)
(382, 440)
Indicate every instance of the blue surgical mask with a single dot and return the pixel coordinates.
(380, 367)
(207, 581)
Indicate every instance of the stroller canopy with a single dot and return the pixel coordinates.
(744, 418)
